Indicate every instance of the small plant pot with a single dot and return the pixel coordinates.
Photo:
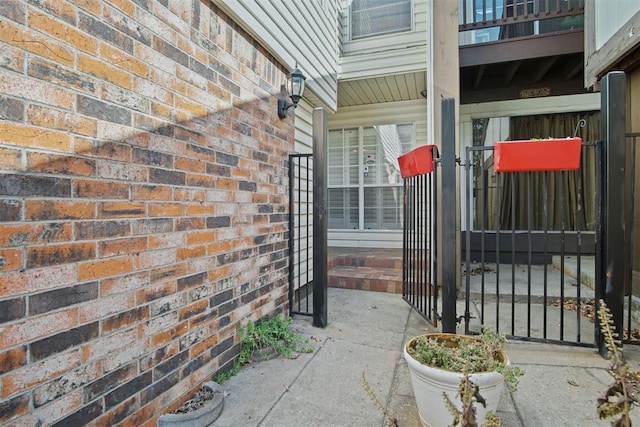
(429, 383)
(201, 417)
(537, 155)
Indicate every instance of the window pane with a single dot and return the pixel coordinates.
(375, 17)
(343, 208)
(383, 208)
(372, 168)
(343, 157)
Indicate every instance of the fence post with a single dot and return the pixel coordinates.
(610, 250)
(449, 254)
(319, 217)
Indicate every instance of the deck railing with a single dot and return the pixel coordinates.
(492, 20)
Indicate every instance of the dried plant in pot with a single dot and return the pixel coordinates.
(438, 362)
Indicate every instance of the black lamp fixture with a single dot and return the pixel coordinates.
(295, 89)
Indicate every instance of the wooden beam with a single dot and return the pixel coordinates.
(544, 68)
(511, 72)
(479, 74)
(522, 48)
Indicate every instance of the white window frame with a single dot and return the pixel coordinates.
(361, 185)
(381, 34)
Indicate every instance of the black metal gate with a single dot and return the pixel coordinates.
(516, 271)
(529, 248)
(419, 281)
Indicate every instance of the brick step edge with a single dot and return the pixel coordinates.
(366, 279)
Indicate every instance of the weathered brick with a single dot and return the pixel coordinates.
(14, 407)
(63, 297)
(31, 41)
(247, 186)
(152, 158)
(109, 382)
(62, 10)
(190, 223)
(121, 210)
(12, 309)
(93, 189)
(103, 111)
(13, 359)
(170, 365)
(102, 229)
(42, 256)
(114, 247)
(55, 73)
(105, 32)
(129, 26)
(47, 210)
(171, 51)
(13, 9)
(152, 226)
(17, 283)
(27, 136)
(62, 341)
(104, 268)
(166, 209)
(221, 298)
(10, 259)
(191, 281)
(61, 120)
(66, 384)
(218, 221)
(38, 373)
(151, 192)
(62, 32)
(83, 416)
(11, 108)
(64, 165)
(159, 387)
(27, 185)
(123, 60)
(12, 59)
(125, 319)
(170, 177)
(128, 389)
(193, 309)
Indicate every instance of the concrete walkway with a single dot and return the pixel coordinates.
(364, 337)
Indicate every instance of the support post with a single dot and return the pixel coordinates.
(610, 251)
(319, 217)
(449, 255)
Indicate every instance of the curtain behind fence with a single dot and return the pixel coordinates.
(560, 185)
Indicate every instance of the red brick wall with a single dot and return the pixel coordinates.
(143, 204)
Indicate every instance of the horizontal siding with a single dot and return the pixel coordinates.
(304, 127)
(385, 113)
(313, 45)
(390, 54)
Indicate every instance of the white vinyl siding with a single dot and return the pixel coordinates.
(403, 52)
(302, 32)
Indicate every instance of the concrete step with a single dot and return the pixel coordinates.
(379, 279)
(587, 268)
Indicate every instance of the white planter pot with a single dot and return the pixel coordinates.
(201, 417)
(429, 384)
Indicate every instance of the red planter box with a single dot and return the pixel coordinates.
(537, 155)
(418, 161)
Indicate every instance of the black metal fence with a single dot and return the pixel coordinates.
(301, 234)
(529, 246)
(419, 281)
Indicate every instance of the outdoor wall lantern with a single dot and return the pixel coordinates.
(295, 89)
